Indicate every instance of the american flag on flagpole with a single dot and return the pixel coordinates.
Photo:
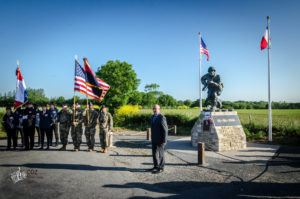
(82, 86)
(203, 49)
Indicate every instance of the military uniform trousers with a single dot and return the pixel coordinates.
(103, 135)
(90, 136)
(54, 129)
(76, 133)
(64, 129)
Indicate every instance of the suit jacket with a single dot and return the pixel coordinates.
(45, 119)
(159, 129)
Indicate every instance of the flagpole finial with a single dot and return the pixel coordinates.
(199, 33)
(268, 17)
(18, 63)
(75, 57)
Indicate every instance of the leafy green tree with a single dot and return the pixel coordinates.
(37, 96)
(151, 87)
(136, 98)
(122, 80)
(187, 102)
(166, 100)
(149, 100)
(180, 103)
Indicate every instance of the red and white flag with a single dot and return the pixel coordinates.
(21, 91)
(265, 39)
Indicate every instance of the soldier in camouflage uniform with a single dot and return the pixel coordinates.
(90, 122)
(106, 124)
(76, 129)
(64, 119)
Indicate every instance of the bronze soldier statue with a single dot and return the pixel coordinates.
(214, 84)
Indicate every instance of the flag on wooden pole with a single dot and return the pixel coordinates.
(21, 91)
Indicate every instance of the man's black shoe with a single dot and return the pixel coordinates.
(153, 169)
(158, 171)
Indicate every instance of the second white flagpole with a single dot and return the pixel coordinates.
(269, 83)
(200, 68)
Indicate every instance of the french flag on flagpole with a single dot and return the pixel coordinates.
(265, 39)
(21, 91)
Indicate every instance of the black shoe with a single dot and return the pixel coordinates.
(51, 144)
(159, 171)
(41, 148)
(47, 148)
(7, 149)
(153, 169)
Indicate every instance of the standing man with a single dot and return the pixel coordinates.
(37, 123)
(54, 126)
(90, 122)
(19, 115)
(29, 126)
(76, 129)
(159, 133)
(106, 124)
(45, 126)
(64, 119)
(10, 122)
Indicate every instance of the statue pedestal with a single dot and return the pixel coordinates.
(220, 131)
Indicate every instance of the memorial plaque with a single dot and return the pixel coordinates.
(226, 120)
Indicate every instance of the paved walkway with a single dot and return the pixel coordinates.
(260, 171)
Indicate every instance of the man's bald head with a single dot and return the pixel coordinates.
(156, 109)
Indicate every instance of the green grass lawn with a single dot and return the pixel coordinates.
(281, 117)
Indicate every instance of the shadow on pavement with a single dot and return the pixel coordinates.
(83, 167)
(129, 155)
(132, 144)
(192, 189)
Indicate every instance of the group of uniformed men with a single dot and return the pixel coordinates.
(46, 121)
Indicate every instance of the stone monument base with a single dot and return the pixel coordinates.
(220, 130)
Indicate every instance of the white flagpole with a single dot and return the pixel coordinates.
(200, 68)
(269, 83)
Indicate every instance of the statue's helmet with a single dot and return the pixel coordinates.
(211, 68)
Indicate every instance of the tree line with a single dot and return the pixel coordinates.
(124, 83)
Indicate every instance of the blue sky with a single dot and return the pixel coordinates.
(160, 40)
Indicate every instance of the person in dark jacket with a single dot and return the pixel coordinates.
(29, 126)
(19, 115)
(45, 126)
(10, 122)
(159, 133)
(54, 126)
(37, 123)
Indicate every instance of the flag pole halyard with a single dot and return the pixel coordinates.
(200, 68)
(269, 83)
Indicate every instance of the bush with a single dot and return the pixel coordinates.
(123, 112)
(142, 121)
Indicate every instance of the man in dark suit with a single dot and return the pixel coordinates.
(10, 122)
(159, 133)
(45, 126)
(29, 126)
